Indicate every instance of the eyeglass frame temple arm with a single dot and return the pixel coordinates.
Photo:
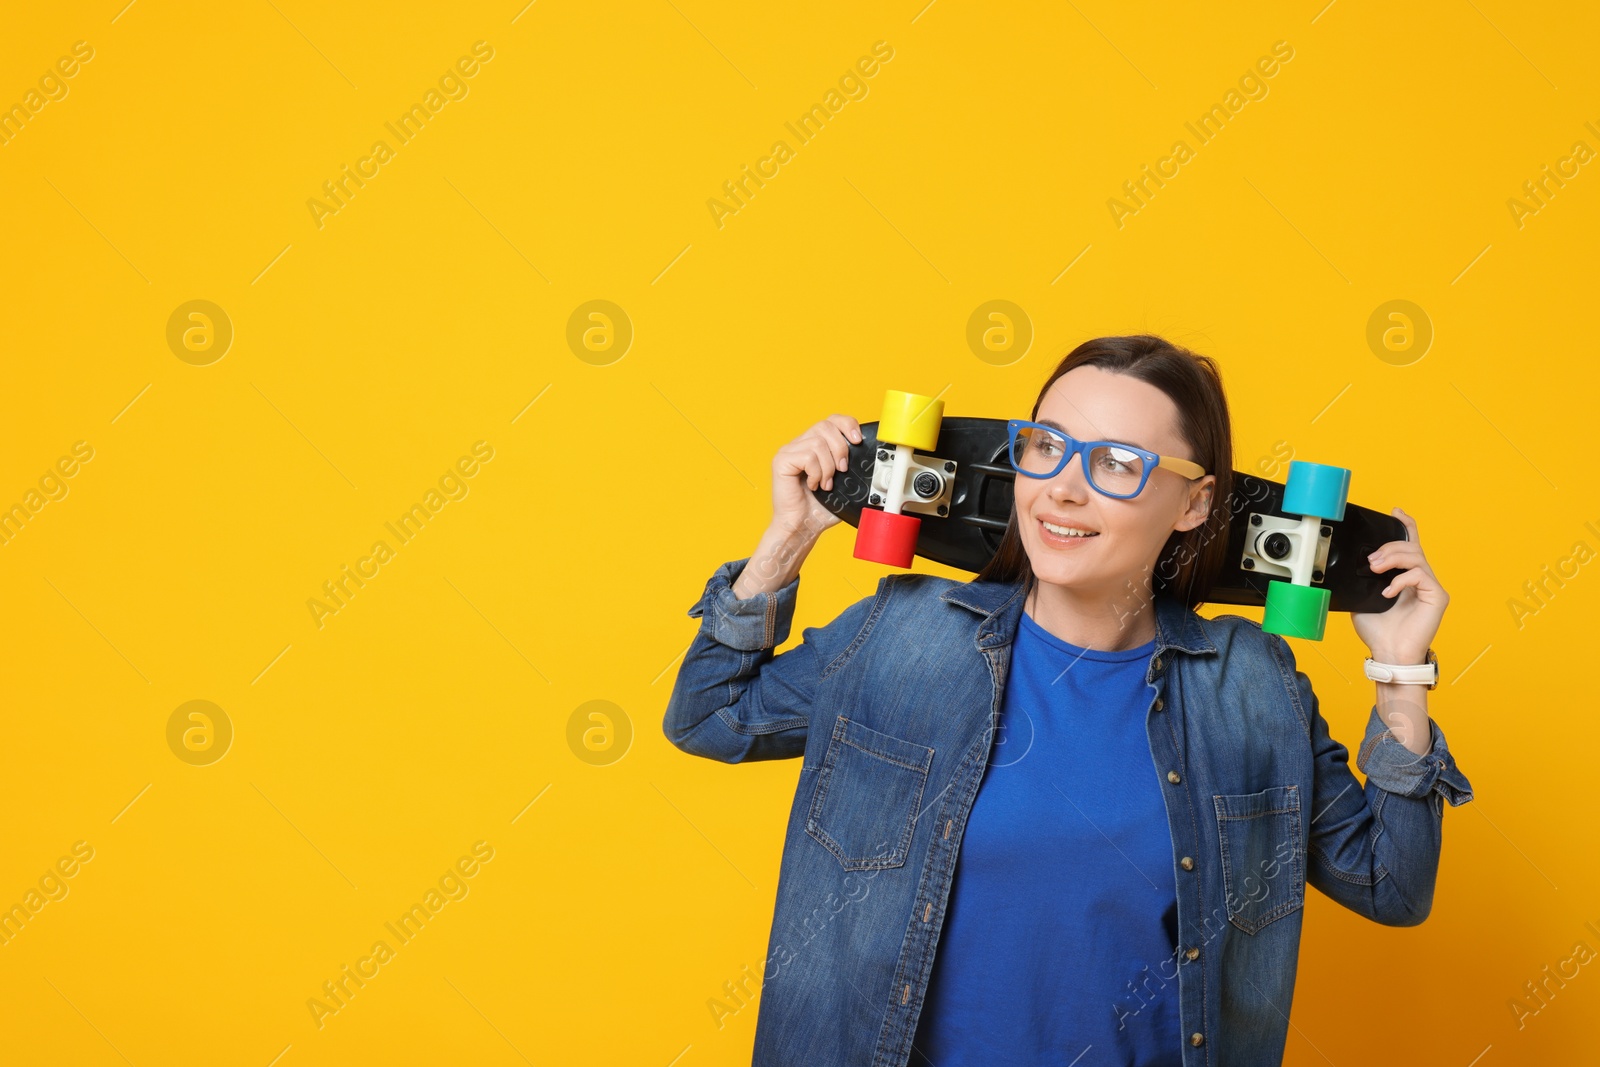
(1178, 466)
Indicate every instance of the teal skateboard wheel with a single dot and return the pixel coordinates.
(1316, 489)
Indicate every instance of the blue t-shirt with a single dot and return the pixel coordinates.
(1060, 943)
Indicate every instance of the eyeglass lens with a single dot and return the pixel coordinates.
(1111, 469)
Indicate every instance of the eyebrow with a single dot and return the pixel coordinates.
(1057, 426)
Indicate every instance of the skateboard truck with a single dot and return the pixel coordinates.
(903, 483)
(920, 484)
(1270, 547)
(1298, 608)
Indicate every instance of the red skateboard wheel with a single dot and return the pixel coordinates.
(886, 538)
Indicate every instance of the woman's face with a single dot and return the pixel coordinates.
(1128, 534)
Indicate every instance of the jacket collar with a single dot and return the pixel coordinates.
(1177, 627)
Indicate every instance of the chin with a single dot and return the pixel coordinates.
(1055, 571)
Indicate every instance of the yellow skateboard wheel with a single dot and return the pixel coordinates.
(910, 419)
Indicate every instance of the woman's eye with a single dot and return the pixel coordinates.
(1119, 463)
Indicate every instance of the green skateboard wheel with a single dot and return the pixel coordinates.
(1295, 610)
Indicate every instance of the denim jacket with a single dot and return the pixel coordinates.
(892, 708)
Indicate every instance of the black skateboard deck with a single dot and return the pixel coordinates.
(976, 501)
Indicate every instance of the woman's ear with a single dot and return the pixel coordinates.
(1199, 503)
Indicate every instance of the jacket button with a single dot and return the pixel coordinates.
(1193, 952)
(1196, 1039)
(1159, 704)
(1158, 663)
(1172, 776)
(1186, 863)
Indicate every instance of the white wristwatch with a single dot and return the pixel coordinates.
(1426, 673)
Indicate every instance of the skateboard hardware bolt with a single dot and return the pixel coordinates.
(927, 485)
(1255, 520)
(876, 499)
(1327, 531)
(1276, 545)
(1316, 576)
(1249, 564)
(883, 454)
(949, 467)
(943, 510)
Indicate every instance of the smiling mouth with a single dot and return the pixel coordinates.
(1062, 534)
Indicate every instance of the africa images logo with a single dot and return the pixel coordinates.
(452, 86)
(852, 86)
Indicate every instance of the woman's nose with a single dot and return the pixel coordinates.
(1070, 483)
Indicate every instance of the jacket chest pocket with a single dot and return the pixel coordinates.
(867, 797)
(1263, 855)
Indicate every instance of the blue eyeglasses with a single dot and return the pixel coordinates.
(1113, 468)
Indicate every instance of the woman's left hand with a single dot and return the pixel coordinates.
(1403, 633)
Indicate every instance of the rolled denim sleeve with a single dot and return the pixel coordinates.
(735, 699)
(1374, 847)
(749, 625)
(1384, 760)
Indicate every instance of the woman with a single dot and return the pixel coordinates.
(1053, 815)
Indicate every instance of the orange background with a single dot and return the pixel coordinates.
(447, 702)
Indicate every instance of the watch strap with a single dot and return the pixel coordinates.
(1426, 673)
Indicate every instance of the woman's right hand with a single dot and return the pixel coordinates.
(808, 462)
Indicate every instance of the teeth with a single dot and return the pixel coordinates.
(1064, 531)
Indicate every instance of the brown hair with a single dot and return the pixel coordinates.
(1190, 560)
